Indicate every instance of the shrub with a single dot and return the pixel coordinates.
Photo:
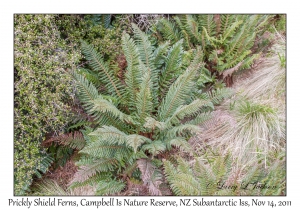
(42, 91)
(95, 30)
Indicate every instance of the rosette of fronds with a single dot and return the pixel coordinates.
(147, 113)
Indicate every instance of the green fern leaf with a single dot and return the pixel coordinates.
(113, 85)
(155, 147)
(177, 93)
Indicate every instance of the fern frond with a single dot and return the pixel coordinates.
(109, 187)
(145, 49)
(179, 91)
(181, 130)
(43, 165)
(249, 61)
(132, 75)
(189, 110)
(87, 93)
(104, 106)
(105, 149)
(73, 140)
(181, 183)
(144, 98)
(228, 32)
(107, 77)
(201, 118)
(192, 28)
(106, 19)
(90, 76)
(97, 166)
(151, 176)
(159, 54)
(154, 147)
(217, 96)
(180, 143)
(92, 181)
(226, 22)
(135, 141)
(151, 123)
(206, 176)
(110, 134)
(48, 188)
(172, 66)
(168, 30)
(207, 21)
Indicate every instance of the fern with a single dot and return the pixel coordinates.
(226, 40)
(73, 140)
(106, 76)
(220, 175)
(49, 187)
(43, 165)
(142, 117)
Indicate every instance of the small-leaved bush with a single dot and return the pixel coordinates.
(42, 92)
(106, 40)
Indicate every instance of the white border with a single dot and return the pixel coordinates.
(8, 8)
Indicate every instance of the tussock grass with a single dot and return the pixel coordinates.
(253, 120)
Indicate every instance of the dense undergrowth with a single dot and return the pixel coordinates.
(125, 96)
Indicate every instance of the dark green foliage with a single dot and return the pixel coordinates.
(139, 117)
(42, 92)
(62, 147)
(104, 20)
(96, 29)
(226, 40)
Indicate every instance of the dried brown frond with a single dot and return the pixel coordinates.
(75, 140)
(135, 188)
(63, 175)
(122, 64)
(151, 176)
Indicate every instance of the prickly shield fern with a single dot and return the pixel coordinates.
(138, 117)
(226, 40)
(222, 175)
